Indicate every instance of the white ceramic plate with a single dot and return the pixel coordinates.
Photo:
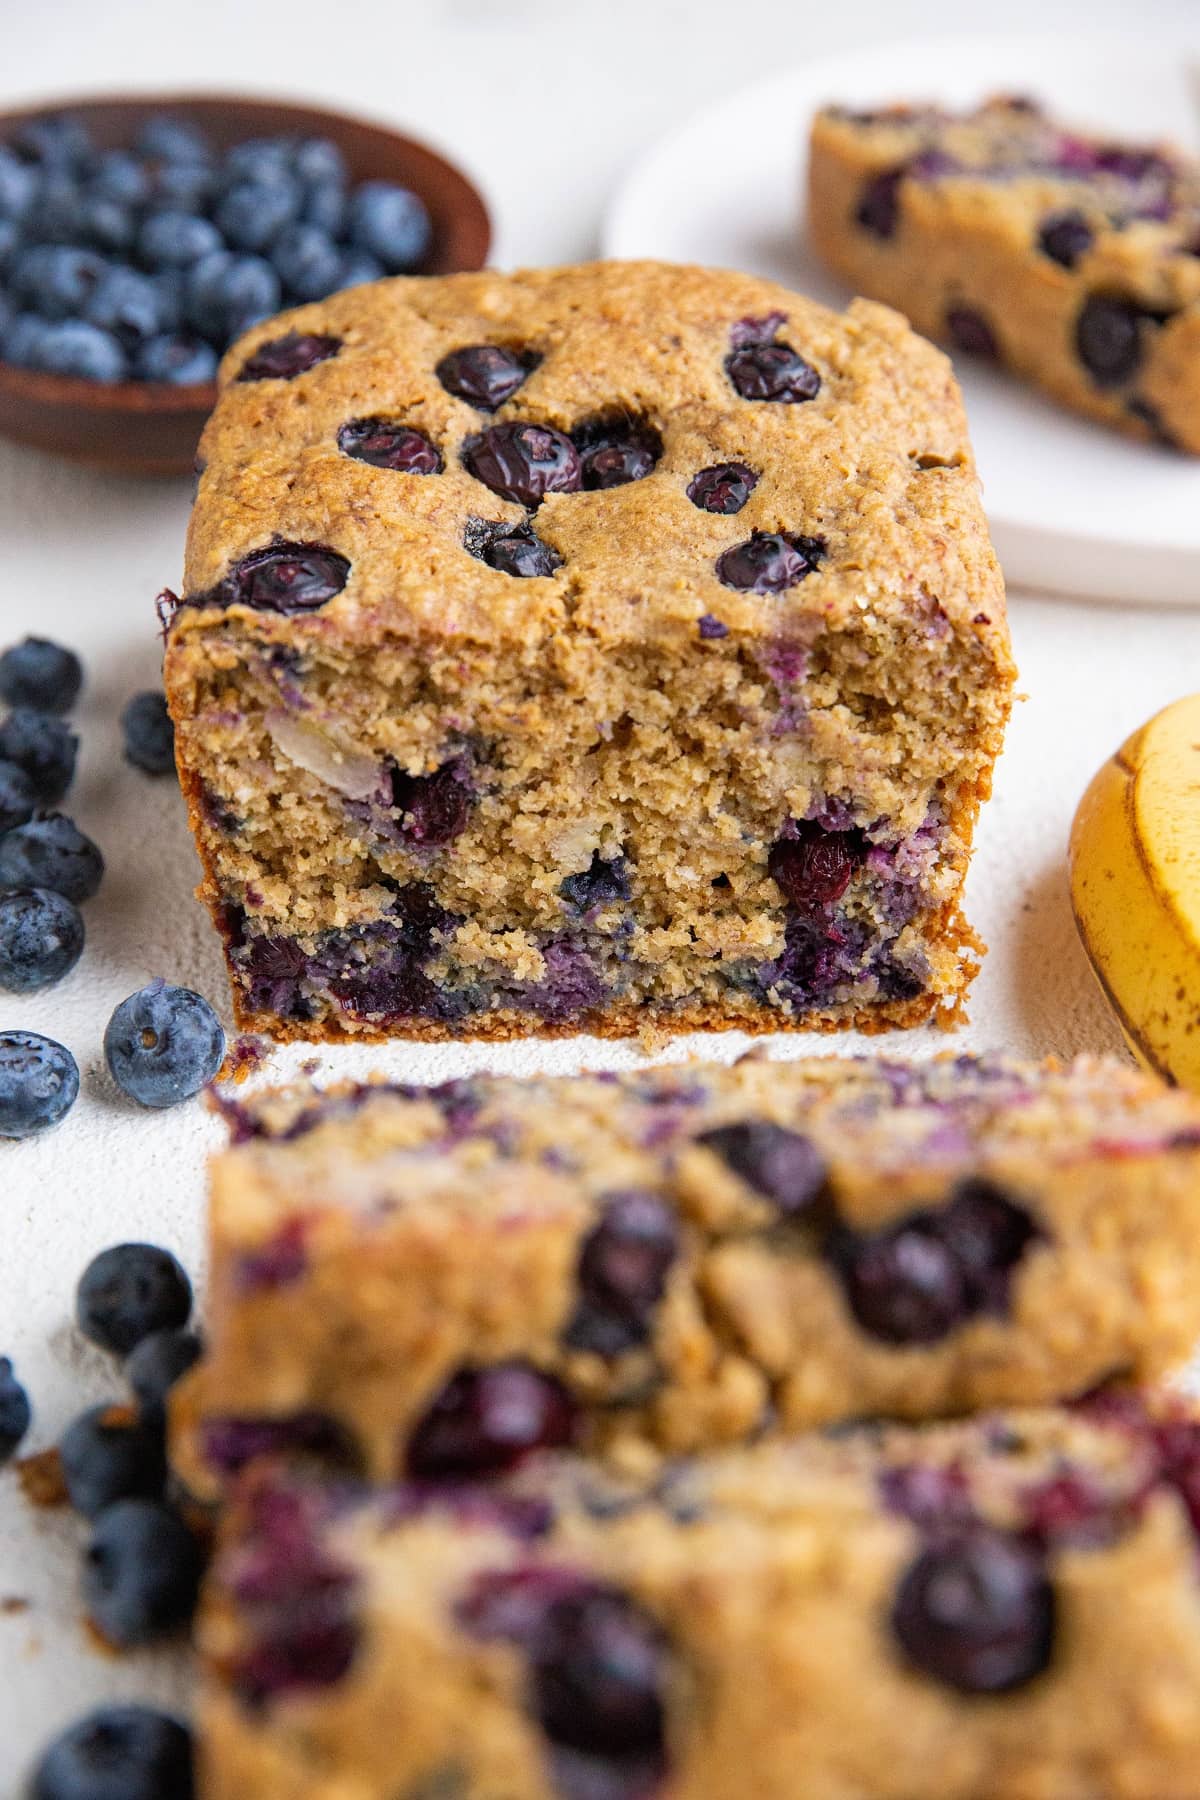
(1074, 508)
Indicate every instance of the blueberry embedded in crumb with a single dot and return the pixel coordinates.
(434, 808)
(604, 882)
(40, 674)
(1065, 237)
(156, 1364)
(524, 462)
(623, 1268)
(613, 452)
(1110, 338)
(878, 209)
(485, 375)
(769, 562)
(768, 369)
(118, 1753)
(784, 1166)
(17, 796)
(723, 488)
(282, 359)
(282, 578)
(486, 1421)
(141, 1573)
(977, 1612)
(129, 1291)
(969, 331)
(163, 1044)
(41, 939)
(39, 1083)
(710, 628)
(387, 444)
(109, 1455)
(44, 747)
(813, 867)
(903, 1285)
(514, 550)
(15, 1411)
(149, 734)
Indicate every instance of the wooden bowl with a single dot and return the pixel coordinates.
(151, 428)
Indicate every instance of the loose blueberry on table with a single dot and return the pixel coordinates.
(39, 1083)
(149, 734)
(131, 264)
(41, 938)
(141, 1573)
(163, 1045)
(40, 674)
(51, 852)
(15, 1411)
(44, 749)
(107, 1454)
(129, 1291)
(118, 1753)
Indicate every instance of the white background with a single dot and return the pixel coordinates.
(548, 102)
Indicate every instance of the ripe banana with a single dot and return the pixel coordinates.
(1135, 888)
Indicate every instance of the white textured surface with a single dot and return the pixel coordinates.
(81, 558)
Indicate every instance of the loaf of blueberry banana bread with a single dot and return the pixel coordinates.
(613, 647)
(1000, 1609)
(437, 1282)
(1072, 259)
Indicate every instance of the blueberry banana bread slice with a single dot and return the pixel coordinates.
(1072, 259)
(612, 647)
(438, 1282)
(999, 1609)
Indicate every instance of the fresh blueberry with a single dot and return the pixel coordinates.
(784, 1166)
(18, 185)
(283, 578)
(386, 444)
(259, 159)
(129, 305)
(725, 488)
(23, 339)
(519, 552)
(163, 137)
(157, 1363)
(17, 796)
(141, 1573)
(10, 241)
(318, 159)
(50, 852)
(118, 1753)
(224, 294)
(15, 1411)
(878, 209)
(39, 1082)
(358, 268)
(186, 187)
(251, 214)
(813, 867)
(129, 1291)
(326, 205)
(41, 674)
(772, 371)
(41, 939)
(175, 240)
(119, 175)
(76, 348)
(181, 361)
(149, 735)
(44, 748)
(56, 280)
(524, 462)
(106, 1455)
(769, 562)
(614, 452)
(604, 882)
(282, 359)
(623, 1267)
(391, 223)
(1109, 338)
(308, 261)
(484, 375)
(1065, 237)
(976, 1612)
(163, 1045)
(58, 215)
(56, 140)
(485, 1421)
(107, 225)
(968, 330)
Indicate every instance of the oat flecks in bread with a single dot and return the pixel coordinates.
(686, 1256)
(1072, 259)
(992, 1610)
(457, 767)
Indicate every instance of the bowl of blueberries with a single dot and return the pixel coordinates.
(140, 237)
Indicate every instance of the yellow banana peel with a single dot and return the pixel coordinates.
(1135, 888)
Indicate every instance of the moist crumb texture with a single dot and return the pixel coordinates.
(604, 648)
(993, 1610)
(441, 1281)
(1072, 259)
